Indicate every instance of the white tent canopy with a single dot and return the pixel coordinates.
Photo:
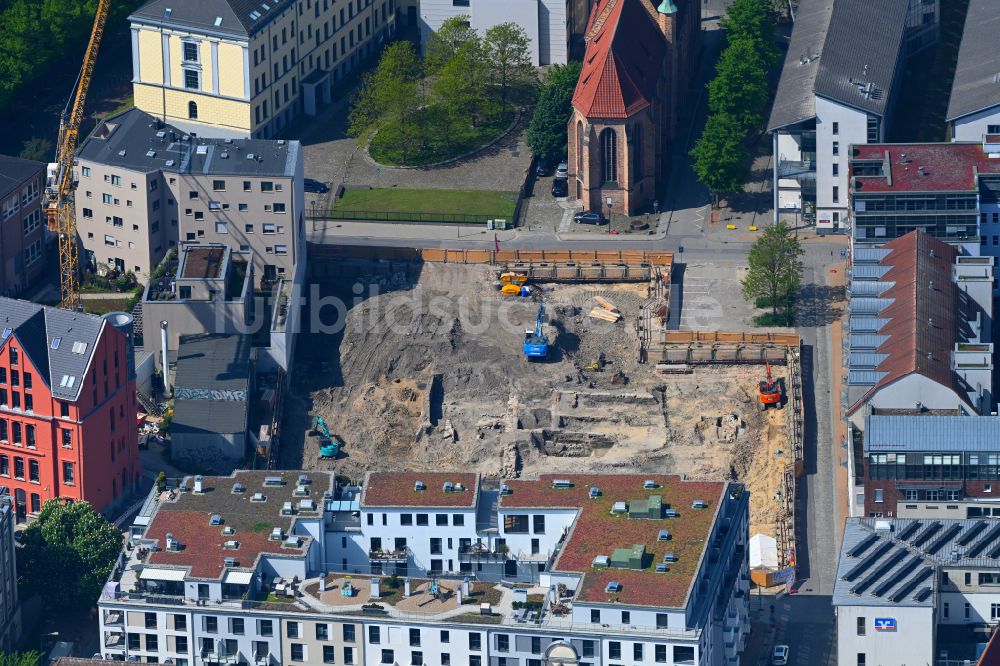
(763, 552)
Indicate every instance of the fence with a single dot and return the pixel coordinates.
(514, 259)
(403, 216)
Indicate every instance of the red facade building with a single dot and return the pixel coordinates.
(67, 407)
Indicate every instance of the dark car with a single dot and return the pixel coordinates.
(541, 168)
(310, 185)
(560, 187)
(590, 217)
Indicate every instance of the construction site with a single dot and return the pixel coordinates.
(427, 366)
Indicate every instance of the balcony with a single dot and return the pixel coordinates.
(480, 553)
(114, 618)
(398, 555)
(114, 640)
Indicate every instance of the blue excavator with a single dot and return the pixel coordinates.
(536, 344)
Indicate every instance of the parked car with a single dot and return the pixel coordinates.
(779, 657)
(590, 217)
(562, 171)
(560, 187)
(541, 168)
(315, 186)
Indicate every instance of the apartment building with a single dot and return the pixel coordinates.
(23, 249)
(67, 407)
(433, 568)
(145, 187)
(838, 87)
(227, 69)
(974, 105)
(544, 21)
(916, 591)
(10, 605)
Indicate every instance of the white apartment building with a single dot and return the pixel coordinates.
(544, 21)
(10, 606)
(916, 591)
(838, 87)
(974, 105)
(433, 568)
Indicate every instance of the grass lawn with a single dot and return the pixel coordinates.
(450, 202)
(105, 305)
(126, 104)
(432, 136)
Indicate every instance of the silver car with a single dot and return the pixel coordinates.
(562, 171)
(780, 655)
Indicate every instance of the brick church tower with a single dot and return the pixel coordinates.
(638, 64)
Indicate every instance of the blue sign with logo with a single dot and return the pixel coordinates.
(885, 624)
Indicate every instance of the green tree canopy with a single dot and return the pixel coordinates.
(460, 84)
(774, 267)
(752, 21)
(67, 554)
(721, 160)
(547, 131)
(445, 41)
(740, 88)
(507, 53)
(391, 90)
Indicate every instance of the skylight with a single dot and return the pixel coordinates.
(55, 342)
(79, 347)
(67, 381)
(7, 332)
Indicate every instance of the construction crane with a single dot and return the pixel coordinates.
(59, 193)
(536, 344)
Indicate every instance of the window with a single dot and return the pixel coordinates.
(836, 128)
(292, 630)
(29, 405)
(33, 476)
(67, 438)
(445, 637)
(944, 609)
(221, 228)
(406, 519)
(298, 652)
(457, 519)
(609, 156)
(836, 194)
(475, 641)
(15, 427)
(328, 654)
(283, 249)
(13, 355)
(191, 79)
(388, 657)
(861, 626)
(595, 616)
(417, 659)
(835, 148)
(211, 624)
(180, 624)
(836, 169)
(133, 642)
(322, 632)
(968, 610)
(614, 650)
(503, 643)
(348, 655)
(660, 653)
(435, 546)
(414, 638)
(236, 626)
(349, 633)
(4, 466)
(106, 198)
(68, 472)
(879, 495)
(88, 213)
(683, 654)
(190, 52)
(861, 659)
(279, 207)
(441, 519)
(193, 110)
(265, 628)
(637, 651)
(626, 617)
(86, 172)
(374, 635)
(150, 620)
(422, 519)
(993, 129)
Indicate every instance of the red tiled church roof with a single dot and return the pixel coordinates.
(625, 52)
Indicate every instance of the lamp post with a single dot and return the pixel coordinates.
(607, 200)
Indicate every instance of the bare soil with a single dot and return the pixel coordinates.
(429, 374)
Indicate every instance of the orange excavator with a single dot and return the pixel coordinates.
(770, 392)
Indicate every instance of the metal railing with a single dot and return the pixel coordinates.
(404, 216)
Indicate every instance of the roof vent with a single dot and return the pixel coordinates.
(224, 155)
(218, 21)
(172, 543)
(301, 490)
(199, 481)
(883, 526)
(287, 509)
(150, 153)
(258, 497)
(215, 520)
(170, 163)
(649, 484)
(292, 542)
(562, 484)
(160, 134)
(619, 507)
(663, 536)
(661, 568)
(228, 141)
(669, 557)
(447, 486)
(307, 505)
(613, 586)
(304, 480)
(594, 493)
(121, 153)
(239, 488)
(276, 534)
(229, 561)
(670, 513)
(699, 504)
(504, 489)
(459, 487)
(231, 545)
(273, 481)
(281, 142)
(167, 12)
(419, 485)
(251, 156)
(228, 531)
(602, 562)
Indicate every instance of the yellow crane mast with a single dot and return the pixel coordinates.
(60, 208)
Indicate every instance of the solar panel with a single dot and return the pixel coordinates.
(995, 553)
(898, 576)
(980, 545)
(865, 544)
(869, 560)
(922, 594)
(928, 532)
(909, 530)
(971, 533)
(940, 542)
(909, 585)
(883, 568)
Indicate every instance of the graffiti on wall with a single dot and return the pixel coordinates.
(239, 395)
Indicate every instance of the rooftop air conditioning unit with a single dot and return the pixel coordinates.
(304, 480)
(670, 513)
(273, 481)
(649, 484)
(258, 497)
(699, 504)
(562, 484)
(301, 490)
(276, 534)
(231, 545)
(215, 520)
(228, 531)
(613, 587)
(239, 488)
(172, 543)
(287, 509)
(292, 541)
(601, 562)
(459, 487)
(664, 535)
(198, 481)
(229, 562)
(594, 493)
(447, 487)
(661, 568)
(307, 505)
(504, 489)
(619, 507)
(669, 557)
(419, 485)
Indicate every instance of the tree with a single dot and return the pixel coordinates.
(506, 49)
(774, 267)
(444, 42)
(390, 91)
(20, 658)
(547, 131)
(37, 148)
(752, 21)
(460, 83)
(721, 160)
(740, 88)
(67, 554)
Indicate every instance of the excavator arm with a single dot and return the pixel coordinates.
(60, 204)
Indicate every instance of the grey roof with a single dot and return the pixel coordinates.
(879, 568)
(35, 327)
(14, 171)
(974, 88)
(864, 43)
(932, 433)
(136, 140)
(206, 364)
(837, 46)
(226, 17)
(794, 100)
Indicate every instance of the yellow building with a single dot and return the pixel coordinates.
(238, 68)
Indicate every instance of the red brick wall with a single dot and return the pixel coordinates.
(968, 488)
